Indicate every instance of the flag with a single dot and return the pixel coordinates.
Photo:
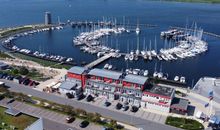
(207, 104)
(211, 93)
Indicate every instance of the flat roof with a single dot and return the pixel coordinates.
(160, 90)
(67, 85)
(105, 73)
(135, 79)
(12, 112)
(179, 103)
(77, 70)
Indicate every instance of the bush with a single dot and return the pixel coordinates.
(15, 71)
(23, 71)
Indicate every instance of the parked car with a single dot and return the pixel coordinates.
(84, 124)
(69, 95)
(106, 128)
(118, 106)
(134, 109)
(106, 104)
(70, 119)
(79, 96)
(89, 98)
(125, 107)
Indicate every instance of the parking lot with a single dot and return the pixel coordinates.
(99, 101)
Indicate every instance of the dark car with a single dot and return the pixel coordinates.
(4, 76)
(11, 78)
(108, 128)
(89, 98)
(69, 95)
(70, 119)
(118, 106)
(31, 83)
(106, 104)
(79, 96)
(84, 124)
(125, 107)
(134, 109)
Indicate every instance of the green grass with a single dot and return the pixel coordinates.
(4, 55)
(183, 123)
(20, 122)
(14, 30)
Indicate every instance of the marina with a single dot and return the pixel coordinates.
(135, 48)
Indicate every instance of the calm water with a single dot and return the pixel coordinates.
(163, 14)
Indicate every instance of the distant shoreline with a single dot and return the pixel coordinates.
(194, 1)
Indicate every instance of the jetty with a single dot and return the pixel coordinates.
(99, 60)
(207, 33)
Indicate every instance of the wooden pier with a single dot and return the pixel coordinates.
(207, 33)
(100, 60)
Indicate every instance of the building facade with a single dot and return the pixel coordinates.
(133, 89)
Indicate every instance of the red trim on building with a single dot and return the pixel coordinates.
(153, 94)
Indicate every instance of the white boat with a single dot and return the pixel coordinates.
(110, 67)
(126, 57)
(146, 73)
(160, 75)
(176, 78)
(155, 74)
(136, 71)
(131, 57)
(137, 30)
(182, 79)
(106, 66)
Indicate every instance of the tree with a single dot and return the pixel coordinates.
(23, 70)
(15, 71)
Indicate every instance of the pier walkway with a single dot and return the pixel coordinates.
(207, 33)
(100, 60)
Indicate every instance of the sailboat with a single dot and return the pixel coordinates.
(127, 55)
(149, 52)
(137, 51)
(155, 70)
(137, 29)
(160, 74)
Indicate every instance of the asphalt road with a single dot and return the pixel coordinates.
(138, 122)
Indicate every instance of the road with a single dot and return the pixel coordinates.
(129, 119)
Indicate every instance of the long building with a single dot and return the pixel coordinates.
(134, 89)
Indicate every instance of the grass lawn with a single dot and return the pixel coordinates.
(187, 124)
(20, 122)
(3, 55)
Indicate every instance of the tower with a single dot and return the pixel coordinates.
(48, 18)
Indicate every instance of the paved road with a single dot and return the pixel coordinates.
(129, 119)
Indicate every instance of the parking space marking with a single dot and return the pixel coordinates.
(146, 115)
(162, 119)
(157, 117)
(150, 117)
